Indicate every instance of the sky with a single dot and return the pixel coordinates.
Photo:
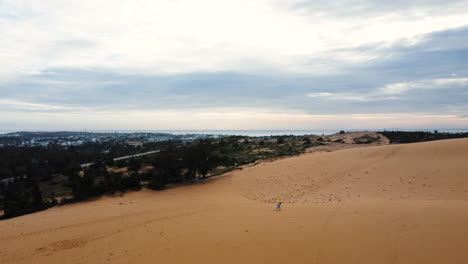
(233, 64)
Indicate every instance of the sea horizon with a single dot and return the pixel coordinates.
(250, 133)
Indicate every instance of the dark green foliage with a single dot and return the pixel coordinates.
(188, 162)
(200, 157)
(83, 187)
(280, 140)
(132, 182)
(206, 159)
(365, 140)
(157, 180)
(21, 196)
(134, 164)
(109, 162)
(97, 180)
(419, 136)
(167, 168)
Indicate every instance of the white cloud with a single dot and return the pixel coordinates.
(404, 87)
(342, 96)
(160, 36)
(128, 40)
(394, 90)
(22, 105)
(18, 105)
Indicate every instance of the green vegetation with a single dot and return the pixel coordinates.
(365, 140)
(35, 178)
(419, 136)
(22, 196)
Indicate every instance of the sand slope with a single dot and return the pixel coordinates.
(387, 204)
(425, 171)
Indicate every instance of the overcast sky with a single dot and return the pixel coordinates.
(233, 64)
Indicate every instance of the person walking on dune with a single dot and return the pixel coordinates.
(278, 207)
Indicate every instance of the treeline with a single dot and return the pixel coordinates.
(20, 196)
(42, 162)
(175, 163)
(36, 178)
(31, 178)
(419, 136)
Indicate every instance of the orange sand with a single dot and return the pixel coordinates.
(384, 204)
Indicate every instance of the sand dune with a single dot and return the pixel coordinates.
(424, 171)
(384, 204)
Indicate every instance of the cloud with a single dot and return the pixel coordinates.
(20, 105)
(172, 59)
(7, 105)
(343, 96)
(174, 37)
(402, 88)
(394, 91)
(376, 7)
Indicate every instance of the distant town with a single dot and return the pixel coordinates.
(32, 139)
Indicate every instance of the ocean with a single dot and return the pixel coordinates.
(250, 133)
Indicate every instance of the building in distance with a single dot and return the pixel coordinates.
(135, 143)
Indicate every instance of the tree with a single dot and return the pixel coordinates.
(83, 186)
(131, 182)
(134, 164)
(167, 167)
(199, 158)
(190, 161)
(80, 186)
(157, 180)
(204, 157)
(22, 195)
(280, 140)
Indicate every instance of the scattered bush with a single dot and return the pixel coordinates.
(419, 136)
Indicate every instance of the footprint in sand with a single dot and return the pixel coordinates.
(61, 245)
